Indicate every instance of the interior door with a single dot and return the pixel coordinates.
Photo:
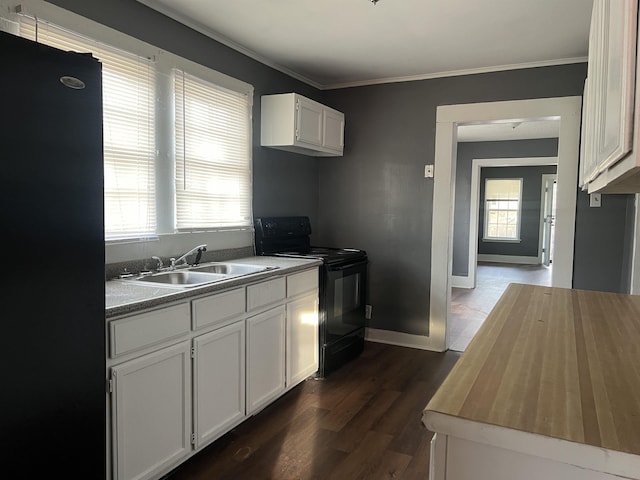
(549, 183)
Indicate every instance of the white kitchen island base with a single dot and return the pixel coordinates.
(484, 452)
(548, 389)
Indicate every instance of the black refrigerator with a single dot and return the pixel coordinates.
(52, 333)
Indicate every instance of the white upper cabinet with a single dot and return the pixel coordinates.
(298, 124)
(610, 150)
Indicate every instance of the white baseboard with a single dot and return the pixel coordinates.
(509, 259)
(400, 339)
(461, 282)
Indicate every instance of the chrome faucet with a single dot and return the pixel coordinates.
(175, 262)
(159, 260)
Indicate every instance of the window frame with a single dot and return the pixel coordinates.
(238, 166)
(485, 228)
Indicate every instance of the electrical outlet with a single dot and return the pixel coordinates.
(367, 312)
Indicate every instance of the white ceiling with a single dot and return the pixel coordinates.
(337, 43)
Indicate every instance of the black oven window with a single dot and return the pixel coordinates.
(347, 297)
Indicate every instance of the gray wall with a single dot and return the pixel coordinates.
(467, 152)
(283, 183)
(376, 196)
(530, 211)
(602, 248)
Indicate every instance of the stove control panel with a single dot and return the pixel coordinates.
(282, 227)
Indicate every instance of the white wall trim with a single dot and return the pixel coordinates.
(448, 117)
(400, 339)
(474, 215)
(458, 281)
(517, 259)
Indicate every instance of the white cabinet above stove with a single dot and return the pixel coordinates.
(298, 124)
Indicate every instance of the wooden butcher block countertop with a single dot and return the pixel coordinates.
(557, 362)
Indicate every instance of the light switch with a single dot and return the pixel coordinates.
(428, 171)
(594, 200)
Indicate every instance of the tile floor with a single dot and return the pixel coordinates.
(469, 307)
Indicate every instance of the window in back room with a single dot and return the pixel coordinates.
(503, 204)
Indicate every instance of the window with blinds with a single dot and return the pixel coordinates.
(502, 209)
(212, 153)
(128, 129)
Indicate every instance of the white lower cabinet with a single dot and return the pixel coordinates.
(265, 358)
(151, 412)
(302, 339)
(184, 375)
(218, 382)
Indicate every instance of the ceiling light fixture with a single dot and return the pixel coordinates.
(374, 1)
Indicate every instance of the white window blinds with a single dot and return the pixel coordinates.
(212, 153)
(128, 85)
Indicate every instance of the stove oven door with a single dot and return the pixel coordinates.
(344, 300)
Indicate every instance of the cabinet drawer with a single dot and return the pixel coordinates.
(266, 293)
(302, 282)
(218, 308)
(139, 331)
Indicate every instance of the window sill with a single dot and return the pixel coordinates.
(502, 240)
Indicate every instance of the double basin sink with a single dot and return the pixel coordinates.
(199, 274)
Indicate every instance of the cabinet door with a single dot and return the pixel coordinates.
(308, 121)
(612, 48)
(302, 339)
(333, 132)
(265, 357)
(151, 412)
(219, 376)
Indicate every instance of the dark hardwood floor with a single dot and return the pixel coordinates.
(361, 422)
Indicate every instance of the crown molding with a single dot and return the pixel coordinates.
(456, 73)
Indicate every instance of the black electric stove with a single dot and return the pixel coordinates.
(342, 285)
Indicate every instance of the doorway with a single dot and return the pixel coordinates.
(495, 263)
(470, 280)
(567, 110)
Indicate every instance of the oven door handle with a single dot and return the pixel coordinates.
(344, 267)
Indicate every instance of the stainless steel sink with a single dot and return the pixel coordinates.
(181, 278)
(230, 269)
(199, 275)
